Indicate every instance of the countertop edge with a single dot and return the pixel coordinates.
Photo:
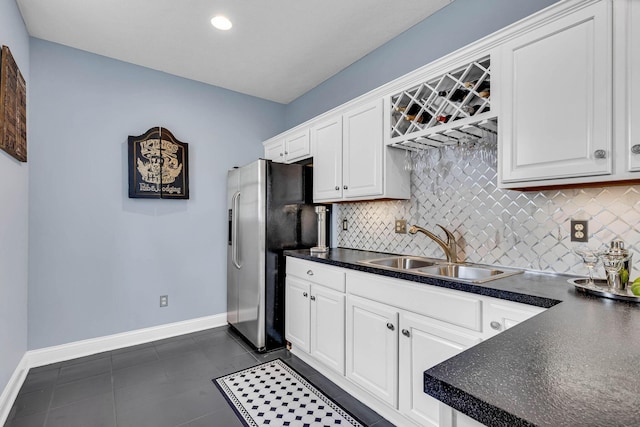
(484, 289)
(470, 405)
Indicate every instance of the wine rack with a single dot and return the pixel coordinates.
(444, 110)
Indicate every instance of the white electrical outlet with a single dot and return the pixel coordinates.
(164, 300)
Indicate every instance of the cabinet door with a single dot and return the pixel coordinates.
(633, 85)
(326, 139)
(556, 104)
(297, 313)
(274, 150)
(362, 146)
(327, 327)
(297, 146)
(372, 348)
(423, 344)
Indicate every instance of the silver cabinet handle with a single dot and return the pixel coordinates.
(310, 272)
(635, 149)
(600, 154)
(406, 333)
(337, 187)
(304, 294)
(390, 326)
(313, 298)
(346, 187)
(496, 325)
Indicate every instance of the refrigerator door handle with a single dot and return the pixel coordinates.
(234, 234)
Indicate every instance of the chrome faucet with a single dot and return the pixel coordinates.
(449, 248)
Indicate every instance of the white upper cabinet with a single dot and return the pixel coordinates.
(297, 146)
(556, 99)
(326, 139)
(627, 41)
(291, 147)
(362, 151)
(350, 161)
(274, 150)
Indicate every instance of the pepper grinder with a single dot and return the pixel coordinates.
(321, 211)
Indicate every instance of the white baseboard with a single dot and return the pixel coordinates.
(59, 353)
(10, 392)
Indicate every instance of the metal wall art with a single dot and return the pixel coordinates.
(158, 166)
(13, 107)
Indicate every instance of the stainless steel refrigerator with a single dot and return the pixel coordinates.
(270, 210)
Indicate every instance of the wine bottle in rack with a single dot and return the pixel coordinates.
(472, 109)
(443, 119)
(455, 95)
(412, 114)
(483, 89)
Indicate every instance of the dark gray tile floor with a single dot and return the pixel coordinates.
(164, 383)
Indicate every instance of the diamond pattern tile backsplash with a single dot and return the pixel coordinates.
(493, 226)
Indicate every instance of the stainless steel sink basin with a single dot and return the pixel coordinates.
(440, 268)
(400, 262)
(465, 272)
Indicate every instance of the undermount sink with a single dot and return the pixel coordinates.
(467, 272)
(400, 262)
(440, 268)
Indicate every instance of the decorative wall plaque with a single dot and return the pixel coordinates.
(158, 166)
(13, 107)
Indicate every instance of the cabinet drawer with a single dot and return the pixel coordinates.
(330, 277)
(458, 308)
(501, 315)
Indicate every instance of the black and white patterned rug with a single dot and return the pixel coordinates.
(273, 394)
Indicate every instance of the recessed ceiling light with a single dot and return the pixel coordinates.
(221, 22)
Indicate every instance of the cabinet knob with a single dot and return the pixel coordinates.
(600, 154)
(337, 187)
(406, 333)
(390, 326)
(346, 187)
(304, 294)
(313, 298)
(281, 155)
(310, 272)
(496, 325)
(286, 152)
(635, 149)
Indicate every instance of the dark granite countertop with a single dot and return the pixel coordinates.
(576, 364)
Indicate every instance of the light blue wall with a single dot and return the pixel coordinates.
(98, 260)
(13, 216)
(449, 29)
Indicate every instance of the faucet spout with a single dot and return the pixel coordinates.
(449, 247)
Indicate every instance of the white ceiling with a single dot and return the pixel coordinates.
(277, 49)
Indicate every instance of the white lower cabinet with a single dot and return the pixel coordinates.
(388, 350)
(327, 327)
(315, 311)
(297, 318)
(372, 349)
(375, 336)
(424, 343)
